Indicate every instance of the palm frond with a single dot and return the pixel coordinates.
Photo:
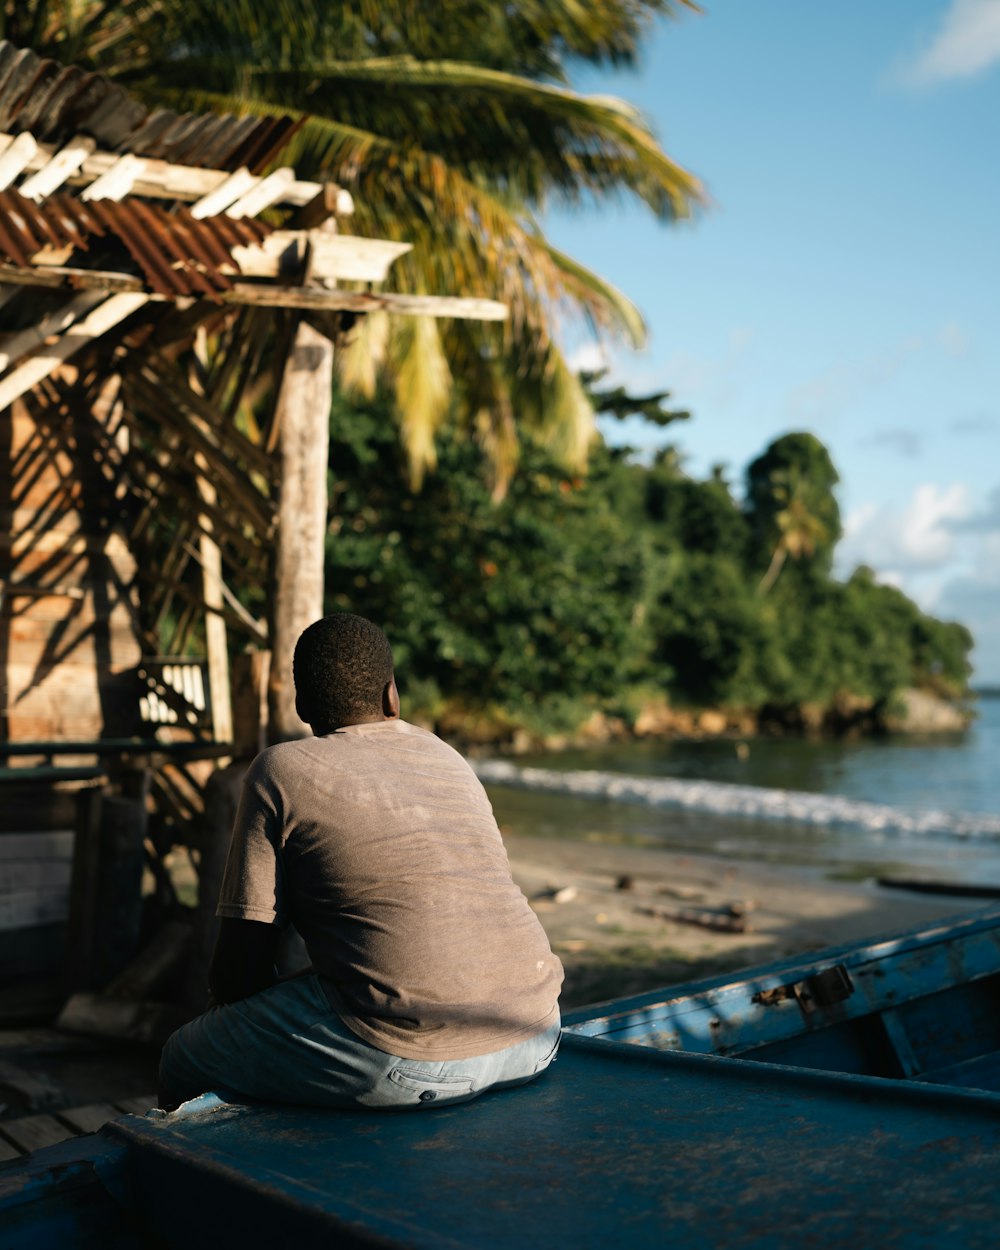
(422, 382)
(359, 361)
(605, 304)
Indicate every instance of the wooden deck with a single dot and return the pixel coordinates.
(55, 1086)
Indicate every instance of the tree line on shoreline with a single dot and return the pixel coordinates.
(633, 588)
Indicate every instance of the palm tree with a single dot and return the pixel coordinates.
(453, 126)
(800, 531)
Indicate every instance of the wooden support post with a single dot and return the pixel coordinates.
(210, 558)
(304, 419)
(106, 888)
(216, 646)
(222, 799)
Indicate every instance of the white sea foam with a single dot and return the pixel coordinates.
(724, 799)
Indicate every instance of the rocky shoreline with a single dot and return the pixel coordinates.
(911, 711)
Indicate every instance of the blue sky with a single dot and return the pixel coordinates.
(845, 278)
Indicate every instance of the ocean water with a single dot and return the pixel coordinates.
(850, 809)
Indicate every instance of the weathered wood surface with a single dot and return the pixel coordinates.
(271, 295)
(105, 894)
(67, 631)
(122, 1019)
(23, 1134)
(303, 417)
(157, 179)
(343, 257)
(91, 1118)
(33, 1132)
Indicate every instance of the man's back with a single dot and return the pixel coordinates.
(379, 844)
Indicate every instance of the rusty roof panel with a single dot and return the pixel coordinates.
(56, 102)
(177, 253)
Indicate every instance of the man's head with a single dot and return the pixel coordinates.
(343, 674)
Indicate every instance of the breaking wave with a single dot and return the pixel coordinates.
(724, 799)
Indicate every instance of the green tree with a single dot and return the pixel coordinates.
(791, 506)
(524, 605)
(453, 125)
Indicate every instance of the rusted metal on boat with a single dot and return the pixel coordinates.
(924, 1006)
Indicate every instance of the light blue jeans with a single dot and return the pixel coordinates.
(288, 1045)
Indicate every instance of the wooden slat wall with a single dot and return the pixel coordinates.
(67, 638)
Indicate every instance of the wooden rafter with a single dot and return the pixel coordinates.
(155, 179)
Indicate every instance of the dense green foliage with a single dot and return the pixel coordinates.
(573, 594)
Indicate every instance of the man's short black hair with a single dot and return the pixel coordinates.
(342, 665)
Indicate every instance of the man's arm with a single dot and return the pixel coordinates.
(243, 961)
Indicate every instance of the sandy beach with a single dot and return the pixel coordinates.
(610, 945)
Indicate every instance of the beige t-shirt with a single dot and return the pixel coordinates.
(379, 844)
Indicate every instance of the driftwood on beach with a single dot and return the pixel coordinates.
(731, 919)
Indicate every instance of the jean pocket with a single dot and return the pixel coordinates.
(419, 1086)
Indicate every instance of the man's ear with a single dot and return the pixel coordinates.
(390, 701)
(301, 711)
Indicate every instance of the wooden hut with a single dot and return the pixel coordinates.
(170, 298)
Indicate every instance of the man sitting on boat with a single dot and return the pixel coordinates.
(432, 979)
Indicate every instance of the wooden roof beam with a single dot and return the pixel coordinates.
(268, 295)
(158, 179)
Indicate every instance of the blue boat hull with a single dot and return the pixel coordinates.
(618, 1144)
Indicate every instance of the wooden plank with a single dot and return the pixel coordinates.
(37, 1092)
(45, 1041)
(344, 257)
(37, 368)
(89, 1119)
(122, 1019)
(137, 1106)
(116, 182)
(34, 876)
(264, 295)
(106, 902)
(52, 844)
(16, 158)
(304, 298)
(8, 1151)
(19, 909)
(268, 191)
(58, 168)
(34, 1132)
(18, 345)
(59, 276)
(163, 180)
(225, 194)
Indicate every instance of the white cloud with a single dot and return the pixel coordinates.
(942, 552)
(588, 358)
(919, 537)
(975, 601)
(985, 519)
(966, 42)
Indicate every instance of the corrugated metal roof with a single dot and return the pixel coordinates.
(56, 102)
(178, 253)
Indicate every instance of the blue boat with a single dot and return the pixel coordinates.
(923, 1006)
(848, 1100)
